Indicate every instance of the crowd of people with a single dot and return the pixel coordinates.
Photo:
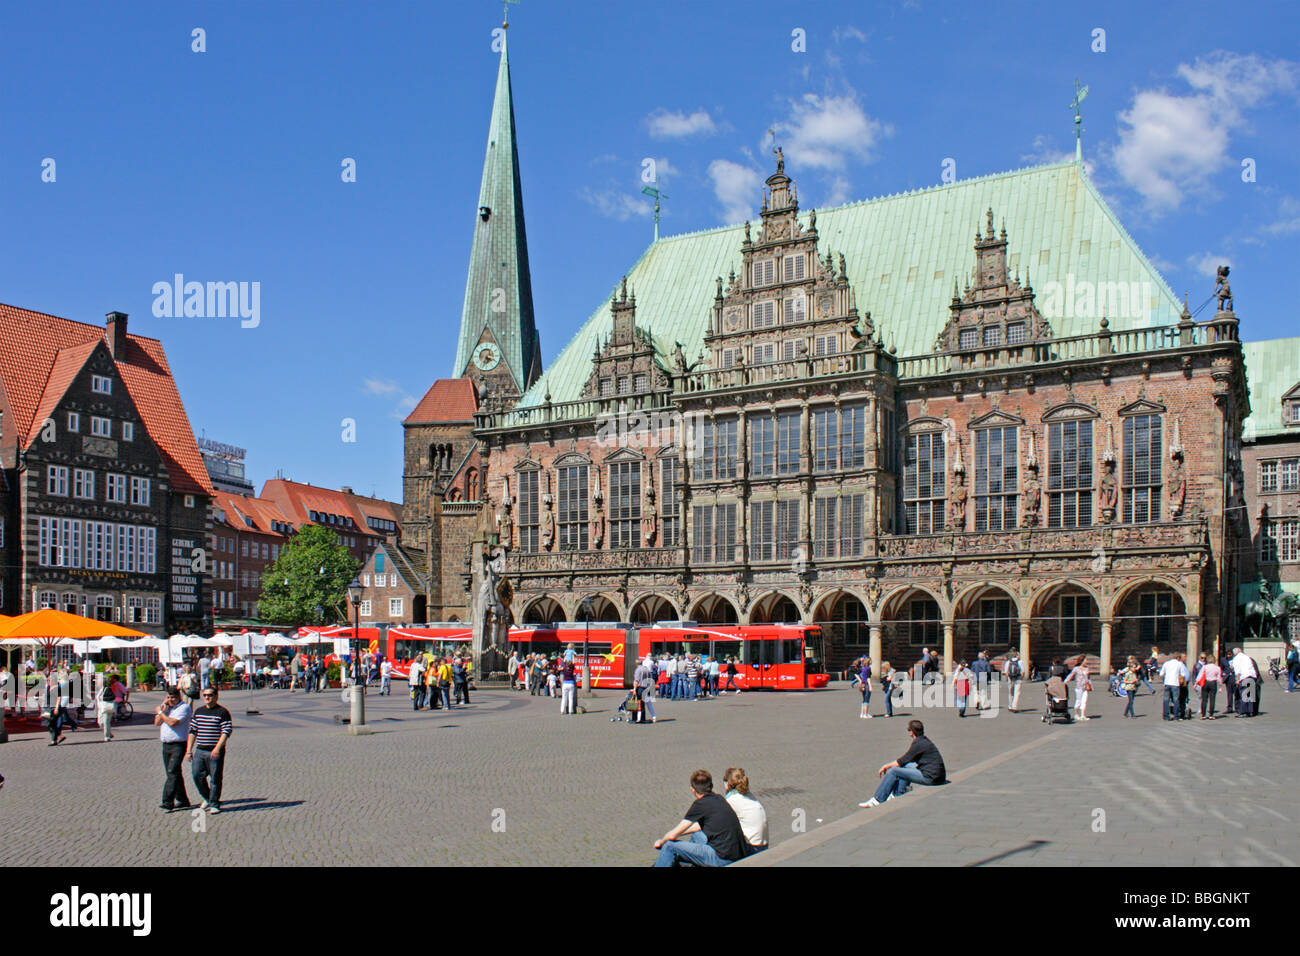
(437, 682)
(673, 676)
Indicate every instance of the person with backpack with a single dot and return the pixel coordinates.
(1292, 667)
(106, 705)
(864, 685)
(1014, 671)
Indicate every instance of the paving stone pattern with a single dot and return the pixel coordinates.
(509, 781)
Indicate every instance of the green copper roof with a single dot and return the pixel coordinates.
(903, 253)
(1272, 370)
(498, 290)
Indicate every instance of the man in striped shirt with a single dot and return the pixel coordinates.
(210, 729)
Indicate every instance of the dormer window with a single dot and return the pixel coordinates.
(764, 271)
(606, 387)
(764, 314)
(101, 427)
(795, 308)
(794, 266)
(992, 336)
(1292, 413)
(101, 384)
(969, 339)
(1017, 333)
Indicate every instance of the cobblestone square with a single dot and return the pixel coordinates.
(508, 781)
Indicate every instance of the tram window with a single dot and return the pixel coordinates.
(724, 649)
(658, 648)
(791, 651)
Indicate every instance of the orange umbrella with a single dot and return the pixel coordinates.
(50, 623)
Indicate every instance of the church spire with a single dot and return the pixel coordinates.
(498, 307)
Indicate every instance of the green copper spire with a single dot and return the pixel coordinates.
(498, 290)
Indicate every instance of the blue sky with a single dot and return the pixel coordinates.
(225, 165)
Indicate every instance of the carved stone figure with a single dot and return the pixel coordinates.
(1031, 498)
(650, 516)
(1222, 291)
(1177, 485)
(1107, 491)
(486, 523)
(679, 358)
(506, 525)
(548, 523)
(957, 502)
(805, 595)
(742, 597)
(597, 521)
(874, 594)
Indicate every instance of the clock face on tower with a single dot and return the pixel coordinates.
(486, 356)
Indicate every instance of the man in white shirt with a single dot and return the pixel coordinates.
(1247, 674)
(386, 677)
(415, 680)
(1173, 674)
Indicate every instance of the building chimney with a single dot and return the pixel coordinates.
(347, 490)
(115, 332)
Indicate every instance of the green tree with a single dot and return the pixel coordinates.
(313, 571)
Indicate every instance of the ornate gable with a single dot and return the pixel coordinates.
(789, 302)
(1070, 411)
(996, 419)
(995, 311)
(625, 363)
(1143, 407)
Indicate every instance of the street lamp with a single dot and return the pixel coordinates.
(586, 650)
(358, 689)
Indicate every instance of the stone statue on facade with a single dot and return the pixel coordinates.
(650, 516)
(1107, 491)
(1032, 497)
(742, 597)
(548, 523)
(957, 502)
(597, 521)
(506, 525)
(1177, 483)
(486, 520)
(874, 594)
(1223, 291)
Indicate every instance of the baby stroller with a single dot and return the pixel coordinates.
(1057, 706)
(1115, 689)
(628, 710)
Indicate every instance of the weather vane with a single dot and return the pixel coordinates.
(505, 12)
(654, 191)
(1080, 93)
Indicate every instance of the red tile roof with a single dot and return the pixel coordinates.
(447, 400)
(262, 512)
(297, 499)
(30, 347)
(67, 364)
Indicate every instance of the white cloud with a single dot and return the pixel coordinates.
(824, 132)
(839, 193)
(614, 204)
(663, 168)
(387, 388)
(1207, 264)
(848, 33)
(1163, 265)
(1289, 221)
(665, 124)
(1172, 144)
(1042, 151)
(737, 188)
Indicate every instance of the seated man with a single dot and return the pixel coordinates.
(711, 828)
(921, 764)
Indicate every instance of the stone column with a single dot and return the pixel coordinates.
(874, 650)
(1105, 648)
(1193, 639)
(947, 649)
(1024, 646)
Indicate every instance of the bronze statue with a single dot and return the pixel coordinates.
(1222, 291)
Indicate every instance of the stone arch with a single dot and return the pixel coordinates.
(1038, 601)
(603, 608)
(892, 606)
(651, 608)
(1143, 582)
(845, 619)
(964, 603)
(775, 607)
(544, 610)
(714, 609)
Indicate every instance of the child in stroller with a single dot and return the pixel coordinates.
(1058, 701)
(628, 709)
